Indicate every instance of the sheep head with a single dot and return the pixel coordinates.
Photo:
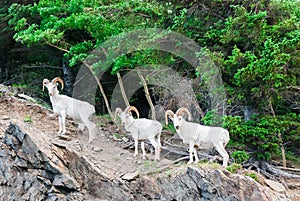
(177, 118)
(126, 116)
(132, 108)
(182, 110)
(58, 79)
(52, 86)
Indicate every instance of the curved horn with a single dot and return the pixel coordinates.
(45, 82)
(168, 113)
(58, 79)
(184, 110)
(132, 108)
(118, 111)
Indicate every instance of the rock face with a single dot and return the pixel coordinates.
(31, 173)
(26, 172)
(41, 171)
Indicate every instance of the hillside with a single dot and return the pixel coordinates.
(53, 167)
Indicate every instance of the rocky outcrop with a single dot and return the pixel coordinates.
(27, 173)
(32, 169)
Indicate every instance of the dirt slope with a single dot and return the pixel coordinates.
(105, 152)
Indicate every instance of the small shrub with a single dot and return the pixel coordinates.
(117, 136)
(212, 118)
(27, 119)
(240, 156)
(168, 173)
(208, 164)
(234, 167)
(148, 164)
(170, 128)
(252, 175)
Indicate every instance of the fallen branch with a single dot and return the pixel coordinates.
(277, 172)
(289, 169)
(181, 159)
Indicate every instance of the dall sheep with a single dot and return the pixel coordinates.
(64, 105)
(194, 134)
(141, 129)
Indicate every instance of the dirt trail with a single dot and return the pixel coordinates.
(104, 152)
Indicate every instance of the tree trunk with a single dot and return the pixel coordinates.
(122, 90)
(279, 137)
(147, 95)
(101, 91)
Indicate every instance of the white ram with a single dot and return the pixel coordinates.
(194, 134)
(64, 105)
(141, 129)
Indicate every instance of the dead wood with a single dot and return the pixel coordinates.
(294, 170)
(270, 171)
(277, 172)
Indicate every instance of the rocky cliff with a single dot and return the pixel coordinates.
(36, 164)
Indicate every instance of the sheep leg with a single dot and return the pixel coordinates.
(156, 144)
(90, 125)
(158, 139)
(143, 149)
(136, 143)
(223, 153)
(63, 122)
(196, 155)
(191, 150)
(59, 124)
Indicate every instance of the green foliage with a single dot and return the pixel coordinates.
(168, 173)
(261, 132)
(27, 119)
(292, 157)
(233, 168)
(150, 164)
(75, 26)
(170, 128)
(19, 86)
(212, 118)
(208, 164)
(252, 175)
(117, 136)
(240, 156)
